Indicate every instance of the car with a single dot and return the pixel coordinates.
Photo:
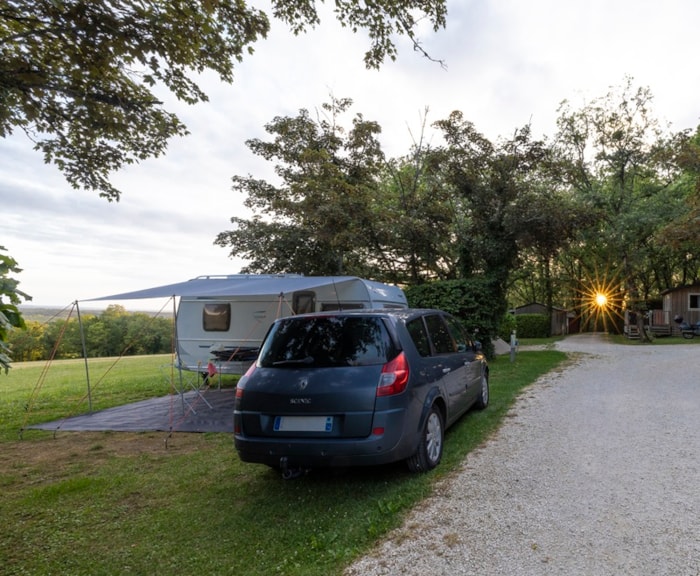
(356, 388)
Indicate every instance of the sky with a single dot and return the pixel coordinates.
(508, 63)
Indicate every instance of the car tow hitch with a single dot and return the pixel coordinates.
(290, 473)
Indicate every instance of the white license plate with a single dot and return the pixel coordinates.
(303, 424)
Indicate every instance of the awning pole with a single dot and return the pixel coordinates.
(176, 346)
(85, 357)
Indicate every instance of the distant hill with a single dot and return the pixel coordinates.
(43, 314)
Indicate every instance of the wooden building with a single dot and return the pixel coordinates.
(682, 302)
(679, 304)
(560, 317)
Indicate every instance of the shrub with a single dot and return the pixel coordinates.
(508, 324)
(470, 300)
(532, 325)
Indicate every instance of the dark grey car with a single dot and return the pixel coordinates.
(360, 387)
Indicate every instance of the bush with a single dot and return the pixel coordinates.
(532, 325)
(470, 300)
(508, 324)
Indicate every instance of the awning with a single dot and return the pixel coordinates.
(233, 285)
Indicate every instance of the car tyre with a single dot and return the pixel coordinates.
(429, 451)
(483, 400)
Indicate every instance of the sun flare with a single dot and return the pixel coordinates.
(600, 302)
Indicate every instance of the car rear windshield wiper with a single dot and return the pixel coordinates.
(295, 362)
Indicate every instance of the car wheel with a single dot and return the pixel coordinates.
(688, 335)
(429, 451)
(483, 400)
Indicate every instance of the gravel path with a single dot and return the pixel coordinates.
(596, 472)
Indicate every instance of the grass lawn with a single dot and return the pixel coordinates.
(104, 503)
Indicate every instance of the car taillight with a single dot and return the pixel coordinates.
(242, 380)
(394, 377)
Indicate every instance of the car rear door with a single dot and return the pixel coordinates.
(316, 402)
(317, 377)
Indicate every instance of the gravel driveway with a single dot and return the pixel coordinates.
(596, 472)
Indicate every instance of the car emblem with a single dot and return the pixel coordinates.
(302, 384)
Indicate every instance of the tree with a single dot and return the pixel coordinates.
(492, 183)
(341, 207)
(622, 165)
(26, 345)
(10, 298)
(548, 219)
(415, 215)
(78, 76)
(62, 337)
(317, 220)
(680, 238)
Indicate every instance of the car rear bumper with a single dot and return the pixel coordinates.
(391, 445)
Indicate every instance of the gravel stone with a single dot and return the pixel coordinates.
(595, 472)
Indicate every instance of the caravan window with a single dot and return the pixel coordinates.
(304, 302)
(216, 317)
(331, 306)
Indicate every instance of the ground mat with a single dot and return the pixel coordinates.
(206, 411)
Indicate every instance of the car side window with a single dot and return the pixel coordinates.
(416, 330)
(459, 334)
(440, 335)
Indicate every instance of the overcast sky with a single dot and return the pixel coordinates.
(508, 63)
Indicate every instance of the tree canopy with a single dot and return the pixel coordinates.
(609, 202)
(10, 297)
(612, 198)
(79, 77)
(315, 222)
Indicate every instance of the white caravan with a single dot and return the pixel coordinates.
(223, 328)
(221, 320)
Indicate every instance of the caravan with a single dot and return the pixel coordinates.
(221, 320)
(222, 326)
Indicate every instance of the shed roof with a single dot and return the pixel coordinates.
(695, 286)
(538, 304)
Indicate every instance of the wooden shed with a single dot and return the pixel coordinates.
(678, 303)
(682, 302)
(560, 317)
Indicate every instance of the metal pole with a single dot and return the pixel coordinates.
(513, 345)
(85, 357)
(176, 346)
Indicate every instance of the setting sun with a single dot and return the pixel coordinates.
(600, 304)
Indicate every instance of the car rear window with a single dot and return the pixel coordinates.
(328, 341)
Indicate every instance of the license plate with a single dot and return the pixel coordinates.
(303, 424)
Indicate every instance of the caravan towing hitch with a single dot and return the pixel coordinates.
(290, 473)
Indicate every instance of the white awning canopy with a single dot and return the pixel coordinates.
(233, 285)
